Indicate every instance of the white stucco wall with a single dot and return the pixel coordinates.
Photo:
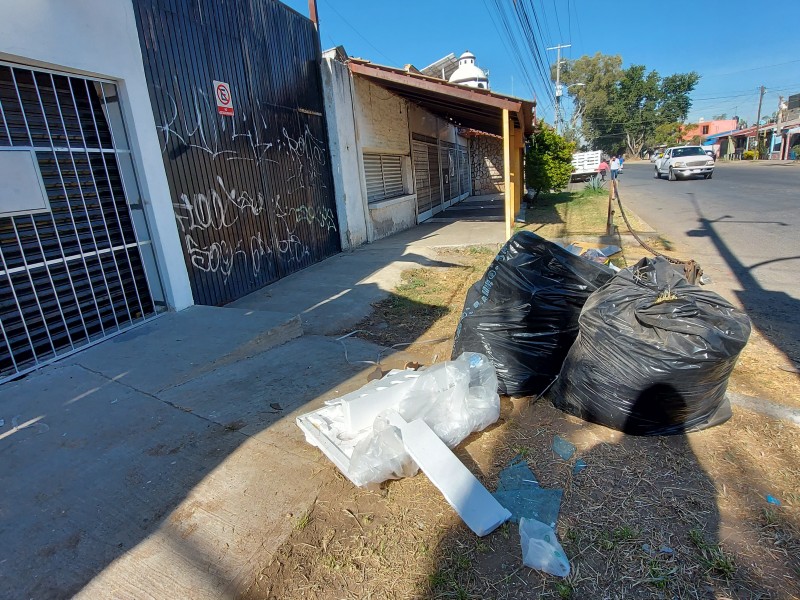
(351, 202)
(365, 118)
(99, 38)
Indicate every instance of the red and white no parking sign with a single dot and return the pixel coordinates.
(222, 93)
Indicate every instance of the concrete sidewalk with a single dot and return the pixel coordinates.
(163, 463)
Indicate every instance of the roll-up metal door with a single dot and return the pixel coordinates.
(463, 170)
(422, 177)
(427, 177)
(79, 267)
(449, 172)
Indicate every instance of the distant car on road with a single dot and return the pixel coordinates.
(684, 161)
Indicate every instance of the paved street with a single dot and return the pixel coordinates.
(742, 226)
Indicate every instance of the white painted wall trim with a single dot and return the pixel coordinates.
(345, 154)
(392, 201)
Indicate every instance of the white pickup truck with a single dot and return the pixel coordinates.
(585, 164)
(684, 161)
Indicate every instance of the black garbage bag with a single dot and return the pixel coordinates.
(523, 312)
(653, 355)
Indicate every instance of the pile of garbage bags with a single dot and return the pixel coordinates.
(642, 351)
(523, 313)
(653, 355)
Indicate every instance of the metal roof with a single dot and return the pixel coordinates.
(442, 68)
(463, 106)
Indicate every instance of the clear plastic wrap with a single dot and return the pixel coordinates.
(454, 398)
(541, 548)
(380, 456)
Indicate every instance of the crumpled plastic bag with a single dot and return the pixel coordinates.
(455, 398)
(653, 355)
(381, 456)
(541, 549)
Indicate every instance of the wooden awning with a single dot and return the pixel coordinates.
(463, 106)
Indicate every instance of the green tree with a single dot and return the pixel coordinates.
(548, 161)
(668, 134)
(621, 108)
(599, 75)
(720, 117)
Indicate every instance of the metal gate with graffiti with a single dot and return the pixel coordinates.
(237, 98)
(76, 260)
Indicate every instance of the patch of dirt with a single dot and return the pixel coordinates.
(696, 501)
(421, 315)
(671, 517)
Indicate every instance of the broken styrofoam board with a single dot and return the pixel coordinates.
(470, 499)
(359, 408)
(324, 428)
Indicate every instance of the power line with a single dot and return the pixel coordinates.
(514, 52)
(514, 29)
(788, 62)
(358, 33)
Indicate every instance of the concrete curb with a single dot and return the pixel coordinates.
(768, 408)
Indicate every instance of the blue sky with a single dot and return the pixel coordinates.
(718, 39)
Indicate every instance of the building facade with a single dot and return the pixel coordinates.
(155, 155)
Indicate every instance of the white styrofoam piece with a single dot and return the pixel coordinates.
(359, 408)
(324, 428)
(473, 502)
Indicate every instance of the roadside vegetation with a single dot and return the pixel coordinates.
(669, 517)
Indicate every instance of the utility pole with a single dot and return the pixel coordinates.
(312, 13)
(758, 121)
(558, 84)
(778, 126)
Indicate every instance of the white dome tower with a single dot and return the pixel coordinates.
(468, 74)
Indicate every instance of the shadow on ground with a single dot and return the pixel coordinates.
(774, 313)
(164, 462)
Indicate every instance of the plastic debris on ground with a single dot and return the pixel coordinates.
(601, 255)
(662, 550)
(654, 354)
(563, 448)
(541, 548)
(454, 398)
(518, 490)
(773, 500)
(580, 465)
(523, 312)
(474, 504)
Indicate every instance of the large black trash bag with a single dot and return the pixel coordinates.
(523, 313)
(654, 354)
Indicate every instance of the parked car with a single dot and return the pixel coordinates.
(684, 161)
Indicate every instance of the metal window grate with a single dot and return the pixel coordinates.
(384, 176)
(85, 269)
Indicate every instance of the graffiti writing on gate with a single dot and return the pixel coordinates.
(220, 208)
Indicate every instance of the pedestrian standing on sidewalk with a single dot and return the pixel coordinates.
(603, 169)
(614, 167)
(621, 162)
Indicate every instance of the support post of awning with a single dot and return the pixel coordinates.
(507, 185)
(517, 173)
